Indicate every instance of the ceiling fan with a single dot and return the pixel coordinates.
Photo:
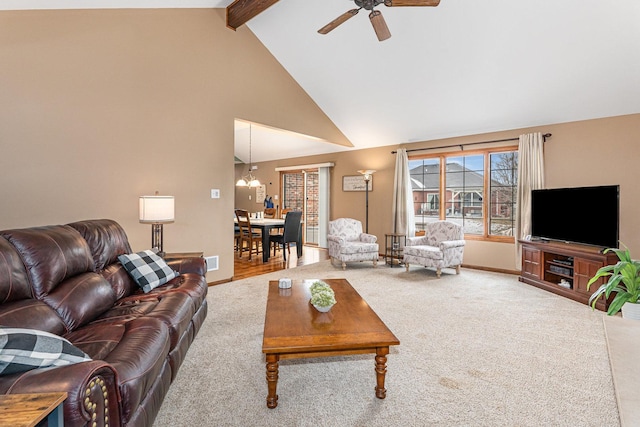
(240, 11)
(376, 18)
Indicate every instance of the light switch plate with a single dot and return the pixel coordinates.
(215, 193)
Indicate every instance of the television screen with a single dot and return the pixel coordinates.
(587, 215)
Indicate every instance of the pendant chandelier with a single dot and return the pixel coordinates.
(249, 180)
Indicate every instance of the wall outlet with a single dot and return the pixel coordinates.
(215, 193)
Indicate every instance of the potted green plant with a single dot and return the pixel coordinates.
(322, 296)
(624, 280)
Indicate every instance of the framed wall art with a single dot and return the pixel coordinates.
(355, 183)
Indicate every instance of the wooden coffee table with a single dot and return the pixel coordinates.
(294, 329)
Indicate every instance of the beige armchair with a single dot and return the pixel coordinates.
(348, 243)
(441, 246)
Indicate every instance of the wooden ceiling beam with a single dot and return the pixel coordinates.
(241, 11)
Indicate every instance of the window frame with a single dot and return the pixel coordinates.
(486, 200)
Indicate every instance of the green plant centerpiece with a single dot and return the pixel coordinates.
(623, 279)
(322, 296)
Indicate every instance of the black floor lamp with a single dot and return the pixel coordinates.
(367, 178)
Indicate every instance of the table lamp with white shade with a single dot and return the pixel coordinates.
(157, 210)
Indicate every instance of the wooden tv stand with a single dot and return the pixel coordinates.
(545, 264)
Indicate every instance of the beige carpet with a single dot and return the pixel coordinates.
(478, 349)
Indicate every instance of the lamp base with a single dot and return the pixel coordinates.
(157, 238)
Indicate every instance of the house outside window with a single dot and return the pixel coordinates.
(461, 183)
(464, 184)
(425, 183)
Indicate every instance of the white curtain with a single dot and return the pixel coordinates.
(403, 219)
(530, 177)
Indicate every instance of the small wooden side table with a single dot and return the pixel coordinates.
(170, 256)
(27, 410)
(394, 244)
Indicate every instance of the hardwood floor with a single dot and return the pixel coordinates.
(243, 268)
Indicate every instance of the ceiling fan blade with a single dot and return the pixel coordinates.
(396, 3)
(379, 25)
(240, 11)
(338, 21)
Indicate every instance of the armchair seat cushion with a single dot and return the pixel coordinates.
(424, 251)
(356, 247)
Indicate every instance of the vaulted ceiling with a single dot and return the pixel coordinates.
(464, 67)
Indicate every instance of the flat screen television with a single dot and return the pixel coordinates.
(587, 215)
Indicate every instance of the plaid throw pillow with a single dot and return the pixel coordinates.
(147, 269)
(22, 350)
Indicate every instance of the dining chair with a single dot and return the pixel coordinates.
(284, 212)
(236, 237)
(291, 233)
(247, 234)
(269, 212)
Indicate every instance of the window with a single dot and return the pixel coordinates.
(461, 183)
(425, 181)
(293, 191)
(300, 192)
(502, 186)
(464, 185)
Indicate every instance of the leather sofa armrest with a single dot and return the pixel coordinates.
(92, 392)
(448, 244)
(368, 238)
(195, 265)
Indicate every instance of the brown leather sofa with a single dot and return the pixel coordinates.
(66, 280)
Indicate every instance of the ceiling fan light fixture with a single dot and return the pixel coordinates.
(379, 25)
(249, 180)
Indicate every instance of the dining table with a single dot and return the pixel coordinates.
(268, 224)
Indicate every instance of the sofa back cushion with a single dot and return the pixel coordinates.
(106, 239)
(61, 272)
(80, 299)
(14, 283)
(121, 282)
(50, 254)
(18, 308)
(31, 313)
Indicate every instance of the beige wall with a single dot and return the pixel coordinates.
(98, 107)
(593, 152)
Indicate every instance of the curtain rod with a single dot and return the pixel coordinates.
(544, 138)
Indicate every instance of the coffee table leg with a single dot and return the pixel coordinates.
(272, 380)
(381, 371)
